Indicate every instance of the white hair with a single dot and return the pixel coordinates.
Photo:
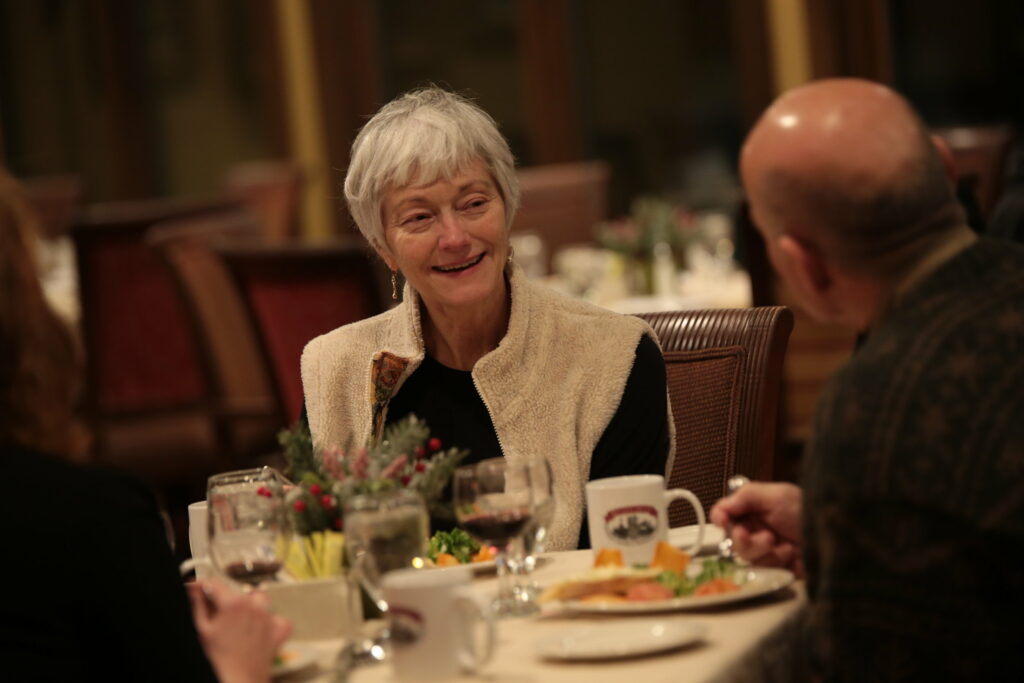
(424, 134)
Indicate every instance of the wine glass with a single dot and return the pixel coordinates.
(523, 558)
(494, 503)
(249, 531)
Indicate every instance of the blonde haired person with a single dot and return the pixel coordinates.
(493, 362)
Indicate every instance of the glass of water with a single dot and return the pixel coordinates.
(383, 532)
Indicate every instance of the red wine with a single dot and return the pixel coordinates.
(252, 573)
(496, 528)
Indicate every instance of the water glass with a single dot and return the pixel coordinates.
(384, 532)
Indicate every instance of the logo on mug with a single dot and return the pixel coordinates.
(406, 625)
(633, 524)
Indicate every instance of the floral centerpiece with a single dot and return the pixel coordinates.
(652, 222)
(406, 457)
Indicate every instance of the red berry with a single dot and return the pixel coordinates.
(434, 443)
(299, 505)
(420, 466)
(264, 491)
(421, 452)
(338, 524)
(327, 501)
(406, 479)
(315, 489)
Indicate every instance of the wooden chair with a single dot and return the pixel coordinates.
(724, 372)
(145, 388)
(295, 292)
(241, 396)
(272, 191)
(561, 203)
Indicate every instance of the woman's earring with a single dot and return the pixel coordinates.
(511, 253)
(394, 286)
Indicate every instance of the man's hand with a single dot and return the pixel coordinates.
(237, 631)
(765, 523)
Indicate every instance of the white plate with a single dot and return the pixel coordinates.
(488, 567)
(757, 581)
(295, 657)
(685, 536)
(614, 639)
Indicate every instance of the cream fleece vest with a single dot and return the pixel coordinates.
(551, 386)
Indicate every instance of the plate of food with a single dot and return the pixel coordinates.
(617, 639)
(671, 582)
(293, 657)
(456, 548)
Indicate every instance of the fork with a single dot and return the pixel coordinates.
(734, 484)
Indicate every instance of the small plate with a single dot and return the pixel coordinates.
(294, 657)
(489, 566)
(684, 536)
(756, 581)
(615, 639)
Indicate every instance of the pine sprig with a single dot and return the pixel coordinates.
(406, 457)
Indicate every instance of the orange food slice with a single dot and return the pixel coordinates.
(667, 556)
(609, 557)
(446, 560)
(486, 554)
(716, 586)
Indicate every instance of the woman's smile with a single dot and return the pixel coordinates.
(460, 267)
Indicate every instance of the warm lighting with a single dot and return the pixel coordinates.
(417, 563)
(788, 120)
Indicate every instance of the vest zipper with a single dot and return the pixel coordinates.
(497, 437)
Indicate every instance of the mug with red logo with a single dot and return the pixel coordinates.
(433, 618)
(630, 514)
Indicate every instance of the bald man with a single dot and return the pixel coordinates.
(912, 530)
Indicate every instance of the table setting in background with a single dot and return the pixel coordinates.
(343, 549)
(660, 257)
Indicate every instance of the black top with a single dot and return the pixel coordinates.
(914, 482)
(634, 442)
(91, 589)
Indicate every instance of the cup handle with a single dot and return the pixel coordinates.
(192, 563)
(471, 611)
(683, 494)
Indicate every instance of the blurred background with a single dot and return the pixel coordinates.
(186, 158)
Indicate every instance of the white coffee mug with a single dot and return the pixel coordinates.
(432, 619)
(198, 542)
(630, 514)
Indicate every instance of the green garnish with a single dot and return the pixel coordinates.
(455, 542)
(713, 568)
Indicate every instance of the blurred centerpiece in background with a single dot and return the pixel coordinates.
(652, 241)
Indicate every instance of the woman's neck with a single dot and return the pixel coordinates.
(459, 337)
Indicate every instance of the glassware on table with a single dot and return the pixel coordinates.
(383, 532)
(494, 503)
(249, 533)
(523, 555)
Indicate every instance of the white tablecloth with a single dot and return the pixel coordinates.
(748, 641)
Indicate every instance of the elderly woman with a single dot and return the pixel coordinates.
(493, 362)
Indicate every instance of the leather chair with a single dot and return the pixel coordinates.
(295, 292)
(724, 371)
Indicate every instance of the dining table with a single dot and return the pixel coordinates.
(745, 640)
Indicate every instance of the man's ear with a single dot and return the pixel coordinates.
(803, 267)
(947, 159)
